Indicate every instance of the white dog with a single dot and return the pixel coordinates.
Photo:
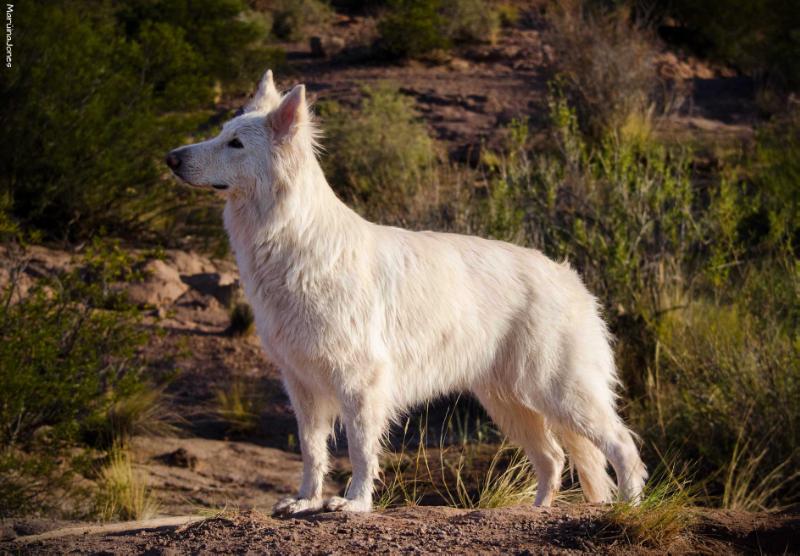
(365, 321)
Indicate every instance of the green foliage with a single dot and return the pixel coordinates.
(87, 123)
(215, 39)
(380, 154)
(414, 28)
(293, 17)
(621, 211)
(65, 355)
(469, 21)
(776, 179)
(759, 36)
(68, 356)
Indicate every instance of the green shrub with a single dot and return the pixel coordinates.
(216, 39)
(412, 28)
(469, 21)
(776, 166)
(379, 155)
(69, 355)
(293, 17)
(87, 123)
(727, 387)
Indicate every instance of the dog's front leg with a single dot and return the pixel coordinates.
(366, 418)
(315, 417)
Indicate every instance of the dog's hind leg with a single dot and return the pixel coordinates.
(315, 418)
(591, 464)
(593, 416)
(530, 430)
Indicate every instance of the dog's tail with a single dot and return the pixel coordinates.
(596, 483)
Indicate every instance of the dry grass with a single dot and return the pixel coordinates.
(228, 511)
(473, 473)
(123, 493)
(607, 64)
(746, 486)
(509, 481)
(143, 412)
(238, 406)
(660, 519)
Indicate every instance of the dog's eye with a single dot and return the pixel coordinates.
(235, 143)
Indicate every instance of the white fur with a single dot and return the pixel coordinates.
(365, 321)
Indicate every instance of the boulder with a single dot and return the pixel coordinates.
(161, 286)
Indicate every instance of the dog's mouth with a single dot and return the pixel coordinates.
(217, 186)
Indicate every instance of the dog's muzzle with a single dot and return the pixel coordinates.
(173, 161)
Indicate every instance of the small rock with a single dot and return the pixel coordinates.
(180, 458)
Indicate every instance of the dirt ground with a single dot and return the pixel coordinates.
(573, 530)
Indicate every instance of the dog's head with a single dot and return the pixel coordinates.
(254, 148)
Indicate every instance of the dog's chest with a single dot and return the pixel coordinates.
(301, 312)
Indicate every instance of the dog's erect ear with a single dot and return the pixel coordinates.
(266, 97)
(290, 114)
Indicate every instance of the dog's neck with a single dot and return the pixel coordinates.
(303, 218)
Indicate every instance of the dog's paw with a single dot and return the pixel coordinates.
(294, 506)
(337, 503)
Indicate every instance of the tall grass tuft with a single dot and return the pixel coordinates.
(238, 406)
(122, 492)
(663, 515)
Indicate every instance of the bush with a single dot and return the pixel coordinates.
(380, 155)
(414, 28)
(469, 21)
(221, 39)
(776, 173)
(85, 123)
(606, 66)
(68, 358)
(293, 17)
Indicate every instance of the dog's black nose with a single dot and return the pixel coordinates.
(173, 161)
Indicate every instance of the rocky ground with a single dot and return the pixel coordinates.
(471, 95)
(466, 99)
(572, 530)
